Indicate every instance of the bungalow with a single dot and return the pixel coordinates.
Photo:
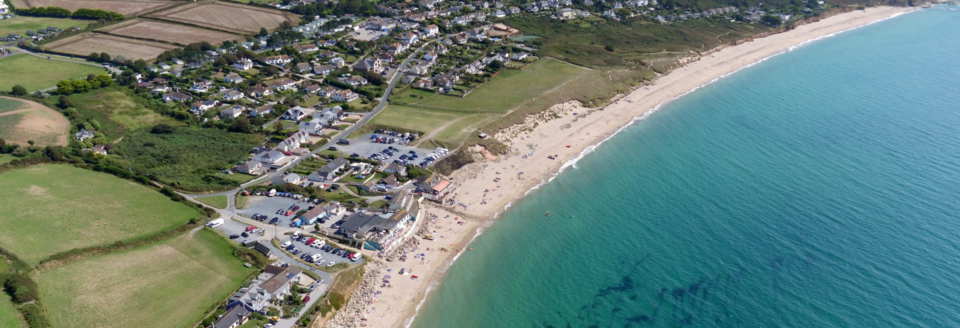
(354, 80)
(328, 54)
(337, 62)
(232, 112)
(278, 280)
(386, 57)
(395, 169)
(269, 157)
(201, 86)
(306, 48)
(303, 67)
(345, 96)
(369, 64)
(283, 84)
(232, 95)
(259, 92)
(323, 69)
(232, 78)
(328, 116)
(278, 60)
(250, 167)
(330, 171)
(292, 178)
(426, 83)
(259, 112)
(389, 182)
(519, 56)
(408, 78)
(234, 318)
(176, 96)
(201, 107)
(160, 89)
(243, 64)
(294, 114)
(310, 89)
(396, 48)
(419, 69)
(447, 81)
(312, 127)
(327, 92)
(84, 134)
(326, 43)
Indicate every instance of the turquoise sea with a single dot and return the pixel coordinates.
(819, 188)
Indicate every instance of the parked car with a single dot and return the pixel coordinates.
(234, 236)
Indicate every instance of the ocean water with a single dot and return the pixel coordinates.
(820, 188)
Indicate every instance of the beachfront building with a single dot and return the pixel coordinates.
(433, 187)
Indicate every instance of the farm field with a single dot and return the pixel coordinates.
(168, 32)
(446, 126)
(508, 90)
(22, 121)
(21, 24)
(127, 8)
(230, 17)
(78, 208)
(170, 284)
(116, 111)
(86, 43)
(215, 201)
(35, 73)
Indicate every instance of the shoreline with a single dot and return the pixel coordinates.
(574, 133)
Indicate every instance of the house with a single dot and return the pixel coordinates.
(269, 157)
(328, 116)
(259, 112)
(160, 89)
(446, 81)
(420, 70)
(408, 78)
(499, 14)
(327, 92)
(283, 84)
(306, 48)
(312, 127)
(232, 95)
(292, 178)
(337, 62)
(323, 69)
(176, 96)
(253, 298)
(294, 114)
(303, 67)
(202, 106)
(386, 57)
(395, 169)
(426, 83)
(409, 38)
(294, 141)
(369, 64)
(232, 112)
(345, 96)
(326, 43)
(519, 56)
(259, 92)
(330, 171)
(354, 80)
(250, 167)
(234, 318)
(277, 280)
(396, 48)
(278, 60)
(431, 30)
(389, 182)
(263, 249)
(433, 187)
(232, 78)
(201, 86)
(243, 64)
(328, 54)
(364, 226)
(177, 72)
(310, 89)
(84, 134)
(566, 13)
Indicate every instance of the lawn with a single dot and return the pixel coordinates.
(170, 284)
(508, 90)
(54, 208)
(445, 126)
(36, 73)
(215, 201)
(6, 158)
(21, 24)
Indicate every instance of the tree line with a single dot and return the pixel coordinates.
(82, 13)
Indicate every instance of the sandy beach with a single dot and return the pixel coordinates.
(487, 187)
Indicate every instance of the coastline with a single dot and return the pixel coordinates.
(570, 132)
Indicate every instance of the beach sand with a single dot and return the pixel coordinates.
(567, 137)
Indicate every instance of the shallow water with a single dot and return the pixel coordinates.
(816, 189)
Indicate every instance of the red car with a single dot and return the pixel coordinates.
(250, 228)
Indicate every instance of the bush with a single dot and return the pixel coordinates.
(18, 90)
(608, 48)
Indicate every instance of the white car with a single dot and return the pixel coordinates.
(332, 263)
(285, 244)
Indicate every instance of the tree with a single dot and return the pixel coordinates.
(161, 129)
(263, 32)
(64, 87)
(241, 125)
(105, 80)
(278, 127)
(94, 56)
(140, 65)
(772, 21)
(315, 226)
(104, 57)
(270, 70)
(374, 78)
(608, 47)
(64, 103)
(496, 65)
(18, 90)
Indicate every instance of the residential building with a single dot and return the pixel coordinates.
(306, 48)
(395, 169)
(294, 114)
(232, 78)
(263, 110)
(201, 107)
(345, 96)
(329, 172)
(201, 86)
(354, 80)
(232, 95)
(243, 64)
(303, 67)
(250, 167)
(84, 134)
(369, 64)
(283, 84)
(280, 279)
(431, 30)
(278, 60)
(176, 96)
(259, 92)
(234, 318)
(232, 112)
(323, 69)
(327, 92)
(269, 157)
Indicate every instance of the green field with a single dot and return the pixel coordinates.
(6, 158)
(7, 105)
(21, 24)
(508, 90)
(54, 208)
(9, 316)
(36, 73)
(117, 111)
(215, 201)
(445, 126)
(171, 284)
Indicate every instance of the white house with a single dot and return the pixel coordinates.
(294, 114)
(243, 64)
(232, 78)
(345, 96)
(269, 157)
(232, 112)
(232, 95)
(201, 86)
(431, 30)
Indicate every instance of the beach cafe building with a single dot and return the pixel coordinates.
(374, 230)
(434, 187)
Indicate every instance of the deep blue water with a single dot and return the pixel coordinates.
(816, 189)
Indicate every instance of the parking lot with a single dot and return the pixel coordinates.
(365, 147)
(327, 256)
(231, 228)
(367, 35)
(270, 205)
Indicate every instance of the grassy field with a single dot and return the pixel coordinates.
(445, 126)
(54, 208)
(170, 284)
(509, 89)
(9, 316)
(35, 73)
(21, 24)
(117, 111)
(23, 121)
(6, 158)
(215, 201)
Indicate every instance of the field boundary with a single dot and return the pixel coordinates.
(108, 30)
(167, 15)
